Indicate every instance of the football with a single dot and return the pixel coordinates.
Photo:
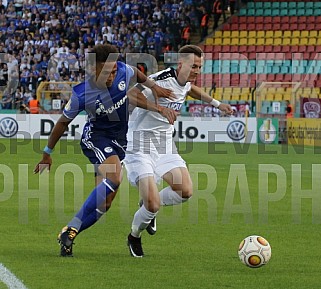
(254, 251)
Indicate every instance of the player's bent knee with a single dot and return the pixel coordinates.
(187, 195)
(153, 206)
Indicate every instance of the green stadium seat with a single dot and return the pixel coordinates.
(267, 5)
(300, 5)
(250, 5)
(309, 5)
(267, 11)
(258, 5)
(275, 5)
(292, 5)
(317, 5)
(284, 5)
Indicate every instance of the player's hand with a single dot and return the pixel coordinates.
(226, 108)
(163, 92)
(169, 113)
(45, 163)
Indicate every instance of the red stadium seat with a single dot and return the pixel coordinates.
(276, 19)
(259, 19)
(292, 19)
(277, 48)
(251, 19)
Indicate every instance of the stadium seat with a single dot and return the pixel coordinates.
(235, 34)
(287, 34)
(252, 34)
(284, 5)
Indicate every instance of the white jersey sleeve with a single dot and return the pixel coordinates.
(142, 121)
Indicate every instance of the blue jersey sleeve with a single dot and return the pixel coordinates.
(129, 73)
(74, 106)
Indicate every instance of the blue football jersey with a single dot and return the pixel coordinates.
(107, 109)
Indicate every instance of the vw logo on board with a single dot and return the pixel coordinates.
(236, 130)
(8, 127)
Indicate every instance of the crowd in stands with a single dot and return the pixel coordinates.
(44, 40)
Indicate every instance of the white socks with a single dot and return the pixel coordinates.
(169, 197)
(141, 220)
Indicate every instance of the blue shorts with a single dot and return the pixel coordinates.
(97, 147)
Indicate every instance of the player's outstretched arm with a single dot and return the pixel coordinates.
(149, 83)
(58, 130)
(197, 93)
(137, 98)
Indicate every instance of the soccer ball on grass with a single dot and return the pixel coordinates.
(254, 251)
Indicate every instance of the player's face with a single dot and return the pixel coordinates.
(106, 73)
(189, 68)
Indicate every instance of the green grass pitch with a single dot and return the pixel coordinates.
(240, 190)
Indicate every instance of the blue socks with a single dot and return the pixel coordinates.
(90, 211)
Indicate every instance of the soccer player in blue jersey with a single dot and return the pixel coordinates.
(103, 97)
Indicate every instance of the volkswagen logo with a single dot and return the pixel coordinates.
(8, 127)
(236, 130)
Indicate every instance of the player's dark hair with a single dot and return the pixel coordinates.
(190, 49)
(103, 52)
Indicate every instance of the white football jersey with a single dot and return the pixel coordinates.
(142, 122)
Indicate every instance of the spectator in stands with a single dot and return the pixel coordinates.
(204, 23)
(289, 109)
(217, 13)
(34, 105)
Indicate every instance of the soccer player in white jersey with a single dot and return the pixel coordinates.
(152, 154)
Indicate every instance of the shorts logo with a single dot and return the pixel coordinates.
(122, 85)
(108, 150)
(8, 127)
(236, 130)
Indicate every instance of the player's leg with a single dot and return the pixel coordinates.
(149, 193)
(95, 215)
(180, 187)
(110, 170)
(140, 172)
(95, 205)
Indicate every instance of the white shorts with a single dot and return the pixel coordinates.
(152, 162)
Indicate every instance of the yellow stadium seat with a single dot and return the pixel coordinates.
(235, 34)
(286, 41)
(252, 34)
(278, 97)
(312, 41)
(226, 34)
(209, 41)
(287, 34)
(217, 41)
(269, 41)
(226, 41)
(269, 34)
(243, 34)
(260, 41)
(277, 41)
(314, 33)
(251, 41)
(235, 41)
(245, 96)
(304, 33)
(304, 40)
(295, 41)
(287, 96)
(218, 33)
(243, 41)
(235, 97)
(296, 34)
(278, 34)
(260, 34)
